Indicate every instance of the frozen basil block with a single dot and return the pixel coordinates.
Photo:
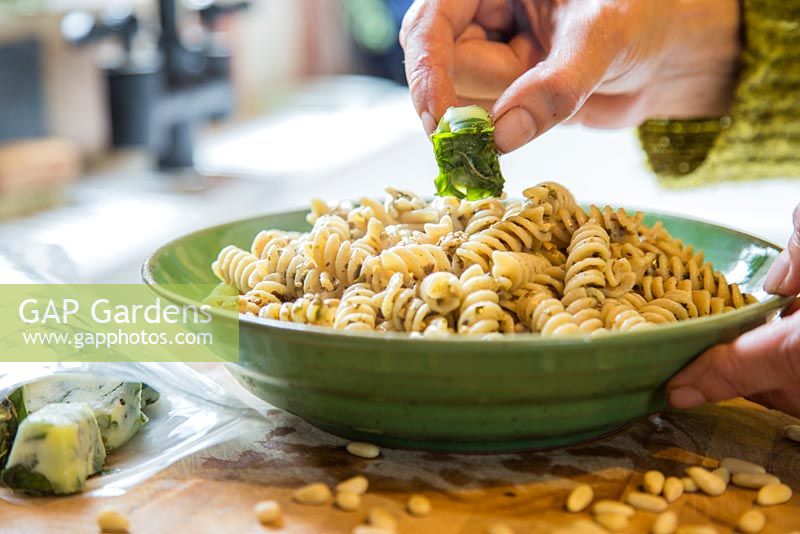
(56, 449)
(8, 428)
(117, 406)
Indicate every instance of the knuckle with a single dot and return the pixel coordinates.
(563, 96)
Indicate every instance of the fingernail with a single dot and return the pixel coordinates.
(514, 129)
(686, 397)
(777, 273)
(428, 122)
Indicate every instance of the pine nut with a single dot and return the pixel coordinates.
(688, 485)
(723, 474)
(579, 498)
(366, 529)
(696, 529)
(735, 465)
(654, 482)
(710, 484)
(665, 523)
(418, 505)
(499, 528)
(347, 501)
(754, 480)
(607, 506)
(363, 450)
(772, 494)
(112, 521)
(646, 502)
(613, 522)
(752, 521)
(357, 484)
(381, 518)
(313, 494)
(673, 489)
(268, 512)
(792, 432)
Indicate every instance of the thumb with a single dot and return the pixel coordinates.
(784, 276)
(762, 360)
(557, 87)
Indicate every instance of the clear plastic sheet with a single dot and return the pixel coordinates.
(192, 414)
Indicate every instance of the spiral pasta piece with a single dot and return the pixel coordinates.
(399, 306)
(234, 267)
(414, 262)
(356, 311)
(520, 230)
(480, 311)
(442, 292)
(540, 311)
(622, 316)
(513, 269)
(585, 278)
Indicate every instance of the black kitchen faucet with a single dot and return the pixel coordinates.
(159, 104)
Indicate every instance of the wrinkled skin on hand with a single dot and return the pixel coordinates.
(537, 63)
(762, 365)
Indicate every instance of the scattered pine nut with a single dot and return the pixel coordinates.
(723, 474)
(363, 450)
(754, 480)
(752, 521)
(418, 505)
(710, 483)
(665, 523)
(735, 465)
(268, 512)
(673, 489)
(696, 529)
(347, 501)
(646, 502)
(357, 484)
(772, 494)
(654, 482)
(499, 528)
(792, 432)
(381, 518)
(688, 485)
(367, 529)
(607, 506)
(579, 498)
(313, 494)
(112, 521)
(613, 522)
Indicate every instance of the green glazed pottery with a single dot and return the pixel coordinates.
(465, 394)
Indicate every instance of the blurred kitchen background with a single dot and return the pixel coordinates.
(125, 123)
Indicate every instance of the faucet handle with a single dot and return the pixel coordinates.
(210, 13)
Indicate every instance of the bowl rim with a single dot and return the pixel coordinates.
(697, 325)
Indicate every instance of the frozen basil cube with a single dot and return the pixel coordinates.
(57, 448)
(117, 406)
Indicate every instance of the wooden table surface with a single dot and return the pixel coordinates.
(214, 490)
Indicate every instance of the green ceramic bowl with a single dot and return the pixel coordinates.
(464, 394)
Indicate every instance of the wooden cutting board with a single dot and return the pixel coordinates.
(214, 491)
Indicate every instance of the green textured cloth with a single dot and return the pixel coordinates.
(761, 137)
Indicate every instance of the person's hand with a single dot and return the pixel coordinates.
(762, 365)
(605, 63)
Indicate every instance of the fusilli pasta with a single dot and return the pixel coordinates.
(488, 267)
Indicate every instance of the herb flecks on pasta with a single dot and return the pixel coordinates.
(488, 267)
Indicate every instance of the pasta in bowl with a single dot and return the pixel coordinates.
(471, 325)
